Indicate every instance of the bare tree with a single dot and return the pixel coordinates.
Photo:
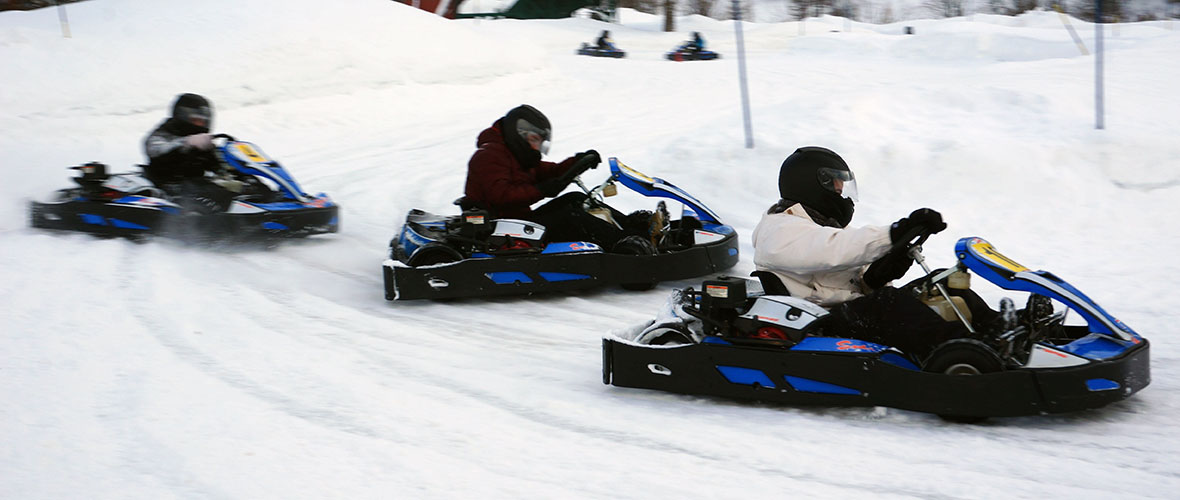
(702, 7)
(944, 8)
(810, 8)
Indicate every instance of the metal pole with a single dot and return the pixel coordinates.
(737, 26)
(65, 21)
(1098, 104)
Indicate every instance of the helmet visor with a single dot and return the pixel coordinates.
(841, 182)
(199, 116)
(536, 137)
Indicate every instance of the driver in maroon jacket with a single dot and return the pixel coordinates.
(506, 175)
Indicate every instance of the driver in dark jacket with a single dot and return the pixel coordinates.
(506, 175)
(180, 151)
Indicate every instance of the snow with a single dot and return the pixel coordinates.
(165, 370)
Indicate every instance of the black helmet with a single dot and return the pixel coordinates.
(820, 180)
(193, 112)
(527, 133)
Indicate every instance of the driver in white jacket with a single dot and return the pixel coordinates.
(804, 240)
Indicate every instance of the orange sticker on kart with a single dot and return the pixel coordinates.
(248, 152)
(985, 251)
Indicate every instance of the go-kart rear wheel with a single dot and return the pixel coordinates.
(963, 357)
(432, 254)
(666, 336)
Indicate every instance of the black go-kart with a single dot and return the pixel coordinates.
(473, 255)
(596, 51)
(733, 339)
(685, 53)
(267, 202)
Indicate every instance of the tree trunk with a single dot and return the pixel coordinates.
(669, 7)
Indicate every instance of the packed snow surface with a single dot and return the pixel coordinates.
(170, 370)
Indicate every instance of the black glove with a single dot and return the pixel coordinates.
(891, 266)
(552, 187)
(588, 153)
(924, 219)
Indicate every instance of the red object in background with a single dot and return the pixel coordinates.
(445, 8)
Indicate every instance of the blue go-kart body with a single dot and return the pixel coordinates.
(268, 203)
(593, 50)
(472, 255)
(684, 53)
(1042, 365)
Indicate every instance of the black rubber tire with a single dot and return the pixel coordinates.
(960, 357)
(432, 254)
(635, 245)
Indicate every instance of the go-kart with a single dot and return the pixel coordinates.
(596, 51)
(267, 202)
(473, 255)
(733, 339)
(685, 53)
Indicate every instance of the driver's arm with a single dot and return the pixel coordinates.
(550, 170)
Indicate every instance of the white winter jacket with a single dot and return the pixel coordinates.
(818, 263)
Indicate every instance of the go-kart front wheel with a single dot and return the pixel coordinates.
(636, 245)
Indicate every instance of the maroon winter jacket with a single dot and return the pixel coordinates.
(496, 179)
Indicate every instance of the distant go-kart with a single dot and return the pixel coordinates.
(472, 255)
(268, 202)
(593, 50)
(684, 53)
(733, 339)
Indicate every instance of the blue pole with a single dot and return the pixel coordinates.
(1098, 104)
(737, 26)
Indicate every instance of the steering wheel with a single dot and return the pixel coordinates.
(578, 168)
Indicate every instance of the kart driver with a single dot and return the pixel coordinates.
(697, 43)
(604, 42)
(805, 241)
(506, 175)
(179, 152)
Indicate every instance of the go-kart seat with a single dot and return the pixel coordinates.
(771, 284)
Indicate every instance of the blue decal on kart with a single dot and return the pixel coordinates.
(1095, 346)
(571, 247)
(127, 225)
(509, 277)
(563, 276)
(830, 344)
(274, 226)
(899, 360)
(97, 220)
(1101, 384)
(717, 228)
(807, 385)
(745, 376)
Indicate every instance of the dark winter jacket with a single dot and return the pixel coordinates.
(603, 42)
(169, 158)
(497, 180)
